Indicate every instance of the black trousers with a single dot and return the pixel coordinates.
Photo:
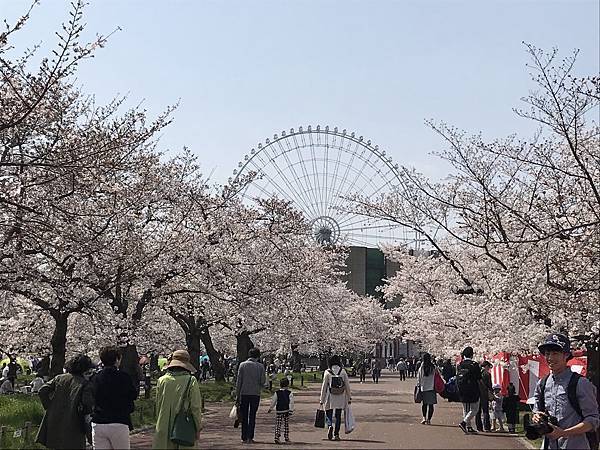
(427, 411)
(484, 410)
(363, 376)
(248, 407)
(402, 375)
(338, 420)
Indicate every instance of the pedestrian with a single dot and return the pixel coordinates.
(6, 386)
(468, 377)
(251, 379)
(401, 368)
(13, 368)
(485, 397)
(177, 389)
(335, 396)
(498, 414)
(36, 383)
(205, 369)
(566, 396)
(67, 399)
(362, 370)
(375, 371)
(425, 381)
(283, 402)
(114, 396)
(411, 367)
(448, 370)
(510, 406)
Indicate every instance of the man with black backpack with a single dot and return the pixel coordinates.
(567, 397)
(468, 377)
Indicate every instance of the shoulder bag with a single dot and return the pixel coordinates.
(184, 426)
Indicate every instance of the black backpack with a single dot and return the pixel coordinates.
(465, 382)
(337, 385)
(592, 436)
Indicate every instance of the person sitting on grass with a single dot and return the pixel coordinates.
(283, 402)
(6, 386)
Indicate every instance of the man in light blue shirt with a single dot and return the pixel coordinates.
(572, 426)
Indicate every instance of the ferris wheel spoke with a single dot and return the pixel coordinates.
(315, 170)
(290, 165)
(353, 156)
(359, 172)
(291, 189)
(370, 227)
(277, 186)
(304, 170)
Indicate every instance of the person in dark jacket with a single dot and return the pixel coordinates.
(485, 396)
(67, 398)
(448, 370)
(468, 377)
(114, 395)
(510, 406)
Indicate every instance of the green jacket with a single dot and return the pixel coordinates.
(169, 393)
(65, 398)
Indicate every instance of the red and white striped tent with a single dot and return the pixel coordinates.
(525, 371)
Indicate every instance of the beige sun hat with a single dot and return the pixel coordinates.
(181, 358)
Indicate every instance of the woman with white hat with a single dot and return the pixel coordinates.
(176, 391)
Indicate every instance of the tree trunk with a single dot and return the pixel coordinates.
(192, 341)
(130, 364)
(593, 366)
(296, 359)
(244, 344)
(58, 343)
(215, 357)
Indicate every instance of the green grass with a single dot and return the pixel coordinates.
(519, 429)
(15, 410)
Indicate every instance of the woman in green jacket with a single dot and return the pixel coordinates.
(66, 399)
(170, 390)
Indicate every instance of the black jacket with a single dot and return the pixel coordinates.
(468, 376)
(114, 394)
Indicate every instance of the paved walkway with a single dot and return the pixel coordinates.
(386, 417)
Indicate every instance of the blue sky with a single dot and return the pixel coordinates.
(244, 70)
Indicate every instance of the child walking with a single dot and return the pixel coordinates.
(510, 406)
(497, 409)
(283, 402)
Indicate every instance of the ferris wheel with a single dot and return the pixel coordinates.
(317, 169)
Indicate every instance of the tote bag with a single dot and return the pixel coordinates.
(320, 418)
(349, 423)
(184, 426)
(418, 394)
(438, 383)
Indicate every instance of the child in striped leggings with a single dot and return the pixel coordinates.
(283, 402)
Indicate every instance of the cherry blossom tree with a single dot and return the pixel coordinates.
(513, 230)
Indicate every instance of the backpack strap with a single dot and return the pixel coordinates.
(339, 372)
(572, 393)
(542, 401)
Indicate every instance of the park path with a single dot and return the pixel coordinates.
(385, 414)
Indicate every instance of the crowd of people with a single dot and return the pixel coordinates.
(94, 404)
(566, 412)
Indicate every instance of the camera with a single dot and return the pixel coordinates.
(534, 430)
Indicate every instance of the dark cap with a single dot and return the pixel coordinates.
(557, 342)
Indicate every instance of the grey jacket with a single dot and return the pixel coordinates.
(250, 379)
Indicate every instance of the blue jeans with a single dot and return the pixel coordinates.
(338, 420)
(248, 407)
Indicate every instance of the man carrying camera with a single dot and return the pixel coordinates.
(566, 398)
